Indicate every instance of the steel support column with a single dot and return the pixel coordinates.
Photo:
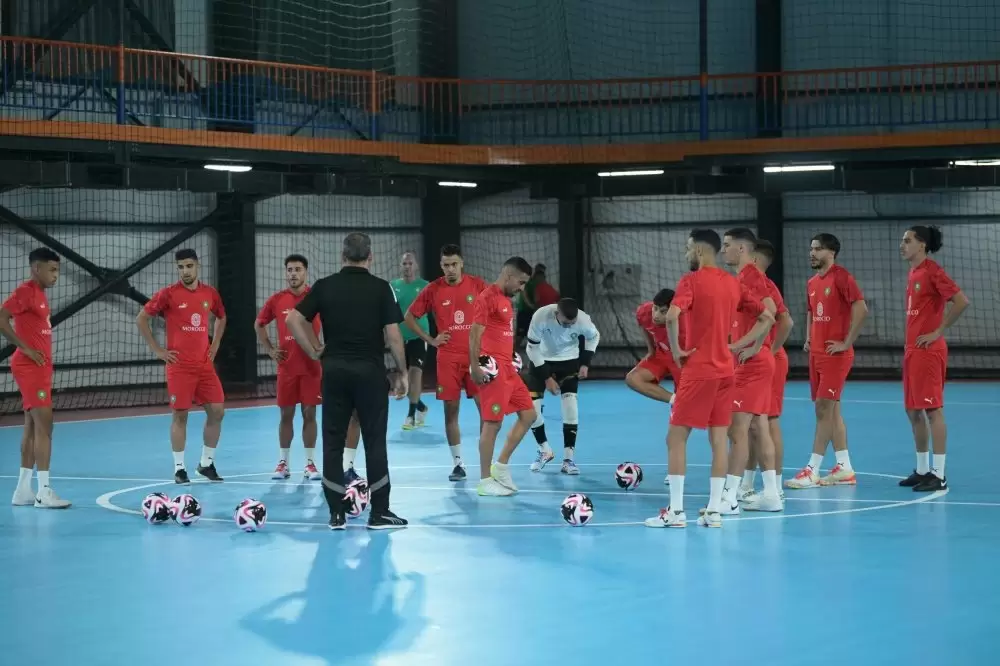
(236, 281)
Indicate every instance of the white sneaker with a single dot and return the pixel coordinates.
(421, 417)
(23, 496)
(707, 519)
(569, 467)
(408, 424)
(491, 488)
(544, 457)
(667, 518)
(804, 478)
(47, 499)
(501, 474)
(745, 492)
(763, 502)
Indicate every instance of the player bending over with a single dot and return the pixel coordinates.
(25, 320)
(753, 379)
(300, 378)
(407, 288)
(492, 334)
(763, 257)
(836, 309)
(709, 299)
(189, 357)
(557, 364)
(451, 299)
(925, 359)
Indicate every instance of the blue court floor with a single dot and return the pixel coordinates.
(875, 574)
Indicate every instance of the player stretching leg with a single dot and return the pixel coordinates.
(646, 376)
(492, 334)
(451, 299)
(25, 321)
(189, 358)
(763, 256)
(925, 360)
(557, 364)
(753, 377)
(407, 288)
(709, 299)
(836, 309)
(300, 378)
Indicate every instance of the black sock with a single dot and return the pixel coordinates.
(413, 411)
(539, 434)
(569, 435)
(421, 407)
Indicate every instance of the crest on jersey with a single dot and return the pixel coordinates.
(495, 408)
(819, 309)
(826, 292)
(459, 317)
(916, 287)
(204, 304)
(468, 299)
(41, 395)
(196, 319)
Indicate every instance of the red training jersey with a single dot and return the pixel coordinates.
(453, 310)
(830, 297)
(779, 302)
(30, 307)
(495, 311)
(755, 283)
(709, 299)
(296, 361)
(644, 317)
(186, 314)
(927, 291)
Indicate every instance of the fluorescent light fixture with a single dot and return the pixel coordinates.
(976, 163)
(792, 168)
(636, 172)
(455, 183)
(231, 168)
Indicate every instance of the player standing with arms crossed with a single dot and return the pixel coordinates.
(557, 364)
(300, 378)
(836, 308)
(709, 299)
(925, 359)
(451, 299)
(407, 288)
(25, 320)
(189, 358)
(492, 335)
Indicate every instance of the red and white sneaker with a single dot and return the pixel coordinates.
(805, 478)
(281, 471)
(839, 476)
(311, 473)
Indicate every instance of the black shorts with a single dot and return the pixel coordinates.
(566, 373)
(416, 352)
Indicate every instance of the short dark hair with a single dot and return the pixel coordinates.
(707, 236)
(520, 264)
(186, 253)
(293, 258)
(663, 298)
(569, 308)
(932, 237)
(742, 234)
(764, 248)
(451, 250)
(827, 242)
(42, 254)
(357, 247)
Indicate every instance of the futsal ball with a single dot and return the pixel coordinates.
(356, 498)
(518, 364)
(489, 366)
(156, 508)
(577, 509)
(250, 515)
(628, 475)
(185, 509)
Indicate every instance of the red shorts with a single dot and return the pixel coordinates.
(923, 377)
(660, 365)
(35, 384)
(305, 390)
(778, 382)
(828, 374)
(704, 403)
(752, 391)
(193, 385)
(504, 395)
(452, 376)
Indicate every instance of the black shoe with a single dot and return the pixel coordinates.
(338, 522)
(457, 474)
(209, 472)
(914, 479)
(350, 476)
(385, 520)
(181, 477)
(931, 484)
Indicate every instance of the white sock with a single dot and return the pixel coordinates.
(716, 484)
(923, 462)
(937, 466)
(770, 483)
(843, 458)
(284, 453)
(24, 478)
(568, 453)
(349, 455)
(178, 460)
(676, 493)
(730, 488)
(749, 477)
(43, 481)
(456, 453)
(777, 478)
(815, 460)
(309, 457)
(207, 456)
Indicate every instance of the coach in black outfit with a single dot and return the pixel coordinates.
(359, 314)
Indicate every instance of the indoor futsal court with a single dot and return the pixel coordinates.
(501, 581)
